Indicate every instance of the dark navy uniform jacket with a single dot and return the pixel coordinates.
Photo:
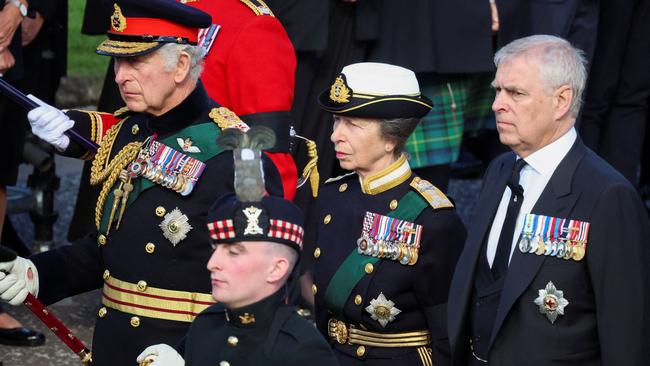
(264, 333)
(419, 291)
(606, 320)
(153, 288)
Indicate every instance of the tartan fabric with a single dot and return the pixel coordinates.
(437, 138)
(478, 111)
(221, 229)
(281, 229)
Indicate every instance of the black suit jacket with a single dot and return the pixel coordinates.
(438, 36)
(574, 20)
(606, 320)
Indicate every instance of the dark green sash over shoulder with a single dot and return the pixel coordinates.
(351, 271)
(203, 135)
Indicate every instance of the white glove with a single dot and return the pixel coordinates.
(160, 355)
(18, 278)
(49, 124)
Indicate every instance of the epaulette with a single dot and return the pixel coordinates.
(336, 179)
(225, 118)
(258, 7)
(122, 112)
(431, 194)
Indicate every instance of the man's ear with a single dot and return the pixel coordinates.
(563, 97)
(182, 67)
(278, 270)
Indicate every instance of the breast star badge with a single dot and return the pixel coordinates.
(175, 226)
(382, 310)
(551, 302)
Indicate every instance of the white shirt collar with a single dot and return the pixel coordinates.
(545, 160)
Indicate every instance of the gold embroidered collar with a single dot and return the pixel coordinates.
(392, 176)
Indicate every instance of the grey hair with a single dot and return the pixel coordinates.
(398, 130)
(172, 51)
(559, 63)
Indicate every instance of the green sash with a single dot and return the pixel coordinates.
(203, 135)
(352, 270)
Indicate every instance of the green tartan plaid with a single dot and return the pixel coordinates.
(437, 138)
(478, 112)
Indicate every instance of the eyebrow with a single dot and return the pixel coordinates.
(507, 88)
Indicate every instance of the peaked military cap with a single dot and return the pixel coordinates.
(272, 219)
(142, 26)
(375, 90)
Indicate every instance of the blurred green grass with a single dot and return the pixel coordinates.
(82, 59)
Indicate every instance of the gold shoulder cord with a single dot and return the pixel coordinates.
(112, 169)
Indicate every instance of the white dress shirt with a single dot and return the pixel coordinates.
(533, 178)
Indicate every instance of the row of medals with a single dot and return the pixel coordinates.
(142, 166)
(562, 248)
(397, 251)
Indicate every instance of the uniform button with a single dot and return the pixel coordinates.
(160, 211)
(102, 312)
(358, 300)
(361, 350)
(101, 239)
(393, 204)
(314, 289)
(327, 219)
(343, 187)
(142, 286)
(135, 129)
(106, 274)
(316, 252)
(150, 248)
(369, 268)
(135, 321)
(233, 341)
(224, 363)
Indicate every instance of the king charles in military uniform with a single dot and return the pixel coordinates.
(386, 241)
(160, 169)
(257, 242)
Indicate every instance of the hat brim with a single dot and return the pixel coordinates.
(116, 48)
(387, 106)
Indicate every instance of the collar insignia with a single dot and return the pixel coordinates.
(339, 92)
(175, 226)
(247, 318)
(186, 145)
(551, 302)
(118, 21)
(253, 219)
(382, 310)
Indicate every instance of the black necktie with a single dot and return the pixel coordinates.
(500, 264)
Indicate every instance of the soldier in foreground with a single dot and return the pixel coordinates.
(257, 242)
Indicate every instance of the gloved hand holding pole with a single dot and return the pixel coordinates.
(17, 284)
(21, 99)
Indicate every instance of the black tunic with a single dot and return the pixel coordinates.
(277, 336)
(128, 254)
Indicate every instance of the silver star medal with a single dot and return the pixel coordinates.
(175, 226)
(551, 302)
(382, 310)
